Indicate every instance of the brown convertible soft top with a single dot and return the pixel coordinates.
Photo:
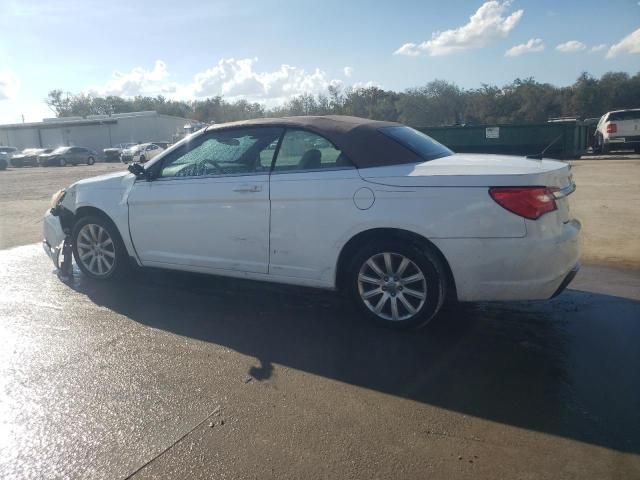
(359, 138)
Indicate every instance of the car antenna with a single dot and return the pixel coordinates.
(538, 156)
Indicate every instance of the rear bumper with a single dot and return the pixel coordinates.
(631, 141)
(503, 269)
(567, 280)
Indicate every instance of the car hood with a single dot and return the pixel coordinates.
(114, 180)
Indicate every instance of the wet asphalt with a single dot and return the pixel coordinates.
(171, 375)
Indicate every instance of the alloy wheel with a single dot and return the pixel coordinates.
(96, 249)
(392, 286)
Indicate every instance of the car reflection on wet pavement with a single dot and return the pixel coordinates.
(104, 380)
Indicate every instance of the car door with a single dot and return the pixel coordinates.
(71, 156)
(79, 155)
(312, 190)
(207, 207)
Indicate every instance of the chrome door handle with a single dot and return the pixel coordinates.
(248, 188)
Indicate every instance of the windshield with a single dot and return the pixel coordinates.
(423, 145)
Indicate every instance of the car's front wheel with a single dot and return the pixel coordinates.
(397, 284)
(98, 248)
(91, 161)
(62, 162)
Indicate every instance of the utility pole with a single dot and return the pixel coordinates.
(23, 118)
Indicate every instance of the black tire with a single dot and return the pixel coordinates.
(120, 258)
(420, 257)
(142, 159)
(606, 149)
(91, 161)
(62, 162)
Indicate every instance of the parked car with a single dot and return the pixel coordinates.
(127, 154)
(375, 209)
(62, 156)
(146, 152)
(28, 157)
(164, 145)
(619, 130)
(113, 154)
(5, 156)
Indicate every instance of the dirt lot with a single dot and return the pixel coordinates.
(606, 202)
(25, 194)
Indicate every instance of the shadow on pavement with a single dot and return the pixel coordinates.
(568, 367)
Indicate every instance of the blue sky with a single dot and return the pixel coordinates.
(269, 50)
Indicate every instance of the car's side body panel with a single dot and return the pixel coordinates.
(220, 223)
(109, 194)
(314, 214)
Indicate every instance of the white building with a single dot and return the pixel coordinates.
(95, 131)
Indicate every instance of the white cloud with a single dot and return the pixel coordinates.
(232, 78)
(485, 26)
(238, 79)
(348, 71)
(572, 46)
(138, 81)
(9, 85)
(598, 48)
(629, 44)
(533, 45)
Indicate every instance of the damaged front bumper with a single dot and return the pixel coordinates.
(54, 237)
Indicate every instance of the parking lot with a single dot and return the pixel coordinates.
(171, 375)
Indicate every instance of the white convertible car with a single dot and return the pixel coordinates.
(376, 209)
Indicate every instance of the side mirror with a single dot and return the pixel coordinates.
(139, 171)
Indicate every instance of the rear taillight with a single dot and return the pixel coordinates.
(528, 202)
(612, 128)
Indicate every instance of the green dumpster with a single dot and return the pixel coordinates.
(569, 138)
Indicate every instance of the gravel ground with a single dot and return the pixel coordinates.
(181, 376)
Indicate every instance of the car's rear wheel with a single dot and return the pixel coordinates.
(98, 248)
(397, 284)
(91, 161)
(62, 162)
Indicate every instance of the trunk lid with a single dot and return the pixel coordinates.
(627, 128)
(479, 170)
(472, 170)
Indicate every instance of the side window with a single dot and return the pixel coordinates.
(224, 152)
(266, 155)
(303, 150)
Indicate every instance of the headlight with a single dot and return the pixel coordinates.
(57, 198)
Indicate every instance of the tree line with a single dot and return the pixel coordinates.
(437, 103)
